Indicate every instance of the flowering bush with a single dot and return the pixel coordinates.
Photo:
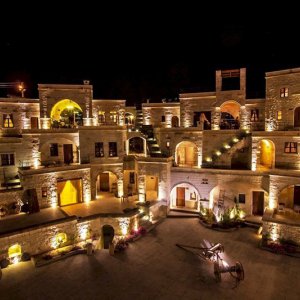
(121, 245)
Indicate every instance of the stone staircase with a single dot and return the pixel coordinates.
(218, 158)
(152, 144)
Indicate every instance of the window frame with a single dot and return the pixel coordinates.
(10, 159)
(254, 116)
(289, 146)
(284, 92)
(10, 121)
(99, 148)
(53, 149)
(112, 149)
(279, 115)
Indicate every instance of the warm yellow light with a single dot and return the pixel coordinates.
(226, 146)
(208, 159)
(70, 107)
(14, 251)
(58, 240)
(218, 153)
(232, 214)
(242, 214)
(235, 140)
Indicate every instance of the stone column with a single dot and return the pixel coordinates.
(121, 117)
(215, 118)
(142, 188)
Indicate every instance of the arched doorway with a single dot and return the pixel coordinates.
(186, 154)
(129, 119)
(184, 195)
(136, 146)
(108, 233)
(267, 154)
(290, 197)
(175, 121)
(69, 191)
(107, 183)
(297, 117)
(151, 187)
(66, 114)
(230, 115)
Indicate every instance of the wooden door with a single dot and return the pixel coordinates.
(297, 195)
(68, 153)
(258, 203)
(104, 182)
(180, 196)
(297, 117)
(34, 122)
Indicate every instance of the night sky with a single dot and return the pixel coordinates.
(152, 55)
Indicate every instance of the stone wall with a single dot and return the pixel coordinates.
(209, 183)
(161, 169)
(282, 160)
(174, 136)
(39, 240)
(104, 134)
(47, 178)
(153, 113)
(277, 231)
(194, 102)
(106, 107)
(274, 82)
(50, 94)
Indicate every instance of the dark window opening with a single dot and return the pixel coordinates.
(242, 198)
(254, 115)
(53, 149)
(7, 160)
(99, 151)
(113, 149)
(131, 178)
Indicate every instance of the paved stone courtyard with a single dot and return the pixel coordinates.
(154, 268)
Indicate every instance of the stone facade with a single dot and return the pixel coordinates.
(235, 146)
(164, 115)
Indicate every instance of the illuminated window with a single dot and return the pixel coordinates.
(101, 117)
(279, 115)
(7, 159)
(44, 192)
(284, 92)
(99, 150)
(254, 115)
(114, 116)
(8, 121)
(131, 177)
(53, 149)
(168, 144)
(163, 118)
(112, 149)
(290, 147)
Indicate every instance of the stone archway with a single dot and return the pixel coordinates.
(66, 114)
(230, 115)
(267, 154)
(184, 195)
(108, 234)
(186, 154)
(106, 182)
(297, 117)
(290, 197)
(175, 121)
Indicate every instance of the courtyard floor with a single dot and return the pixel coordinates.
(154, 268)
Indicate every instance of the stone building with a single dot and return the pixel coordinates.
(67, 151)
